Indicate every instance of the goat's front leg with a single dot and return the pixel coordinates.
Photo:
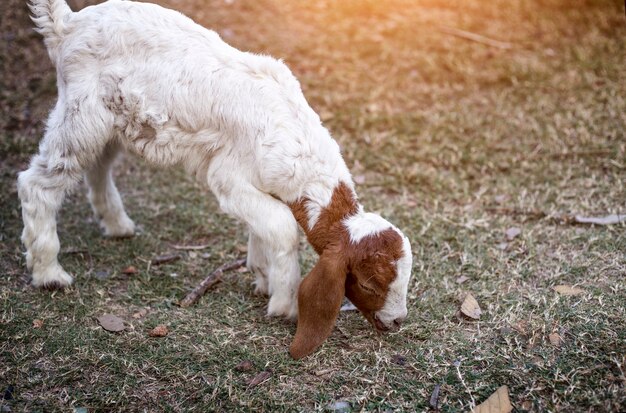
(105, 199)
(274, 235)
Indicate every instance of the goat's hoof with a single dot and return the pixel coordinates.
(53, 278)
(281, 307)
(123, 228)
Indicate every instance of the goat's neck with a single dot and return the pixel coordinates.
(327, 228)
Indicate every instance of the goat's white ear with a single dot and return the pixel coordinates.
(319, 299)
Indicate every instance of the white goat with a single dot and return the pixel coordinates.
(142, 78)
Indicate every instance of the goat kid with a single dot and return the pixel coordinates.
(148, 80)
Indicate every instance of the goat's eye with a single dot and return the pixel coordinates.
(367, 289)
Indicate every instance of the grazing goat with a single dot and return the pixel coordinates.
(148, 80)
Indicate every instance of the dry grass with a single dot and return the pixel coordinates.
(453, 140)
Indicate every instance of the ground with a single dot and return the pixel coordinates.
(453, 140)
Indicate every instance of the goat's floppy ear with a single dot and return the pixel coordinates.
(319, 300)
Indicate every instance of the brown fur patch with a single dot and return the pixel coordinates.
(328, 227)
(371, 268)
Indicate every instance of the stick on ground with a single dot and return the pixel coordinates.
(210, 281)
(476, 37)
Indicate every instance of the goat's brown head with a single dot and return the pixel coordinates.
(369, 261)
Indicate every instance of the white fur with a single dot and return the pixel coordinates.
(364, 224)
(395, 302)
(146, 79)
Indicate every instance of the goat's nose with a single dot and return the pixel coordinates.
(398, 321)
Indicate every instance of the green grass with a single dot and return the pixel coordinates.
(452, 140)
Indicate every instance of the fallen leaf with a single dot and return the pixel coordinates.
(245, 365)
(498, 402)
(141, 313)
(461, 279)
(470, 307)
(568, 290)
(193, 254)
(434, 398)
(111, 323)
(606, 220)
(159, 331)
(502, 246)
(163, 259)
(130, 270)
(260, 378)
(555, 339)
(37, 323)
(512, 233)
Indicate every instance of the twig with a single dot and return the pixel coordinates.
(457, 364)
(210, 281)
(476, 38)
(532, 214)
(190, 247)
(164, 259)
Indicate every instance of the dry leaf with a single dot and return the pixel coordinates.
(502, 246)
(434, 397)
(568, 290)
(37, 323)
(512, 233)
(498, 402)
(141, 313)
(130, 270)
(111, 323)
(606, 220)
(461, 279)
(245, 365)
(159, 331)
(470, 307)
(260, 378)
(555, 339)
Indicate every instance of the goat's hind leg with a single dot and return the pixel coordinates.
(70, 143)
(105, 199)
(42, 188)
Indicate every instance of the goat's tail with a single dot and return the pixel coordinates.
(49, 16)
